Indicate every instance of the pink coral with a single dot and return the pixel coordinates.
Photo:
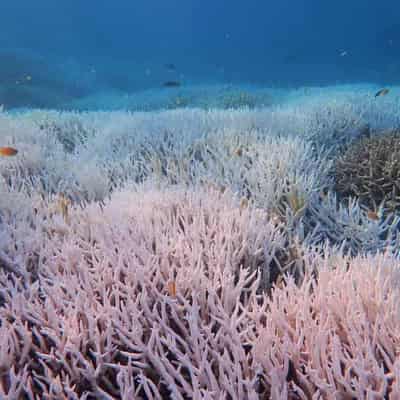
(335, 338)
(96, 319)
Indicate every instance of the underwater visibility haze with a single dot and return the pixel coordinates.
(199, 200)
(74, 49)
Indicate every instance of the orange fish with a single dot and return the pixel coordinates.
(373, 215)
(172, 288)
(244, 202)
(8, 151)
(239, 152)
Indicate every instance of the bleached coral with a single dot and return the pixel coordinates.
(156, 296)
(334, 339)
(101, 288)
(138, 253)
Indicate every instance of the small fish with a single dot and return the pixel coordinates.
(280, 282)
(343, 53)
(239, 151)
(28, 78)
(373, 215)
(170, 67)
(8, 151)
(171, 84)
(244, 203)
(172, 288)
(63, 204)
(382, 92)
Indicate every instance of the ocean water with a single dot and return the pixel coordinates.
(95, 54)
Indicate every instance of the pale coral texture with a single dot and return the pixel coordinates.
(142, 256)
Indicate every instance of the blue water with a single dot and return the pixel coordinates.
(53, 54)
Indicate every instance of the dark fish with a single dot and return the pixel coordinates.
(170, 66)
(171, 84)
(382, 92)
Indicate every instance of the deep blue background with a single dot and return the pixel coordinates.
(285, 42)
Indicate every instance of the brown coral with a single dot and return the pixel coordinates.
(370, 171)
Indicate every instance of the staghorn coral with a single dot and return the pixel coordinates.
(370, 171)
(165, 289)
(156, 297)
(243, 151)
(69, 132)
(101, 298)
(329, 340)
(348, 226)
(185, 146)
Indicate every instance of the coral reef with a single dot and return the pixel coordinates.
(370, 171)
(204, 244)
(155, 295)
(195, 254)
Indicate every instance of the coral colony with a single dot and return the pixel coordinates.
(247, 253)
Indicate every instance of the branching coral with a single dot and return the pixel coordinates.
(101, 320)
(101, 302)
(174, 286)
(70, 132)
(370, 171)
(320, 340)
(348, 226)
